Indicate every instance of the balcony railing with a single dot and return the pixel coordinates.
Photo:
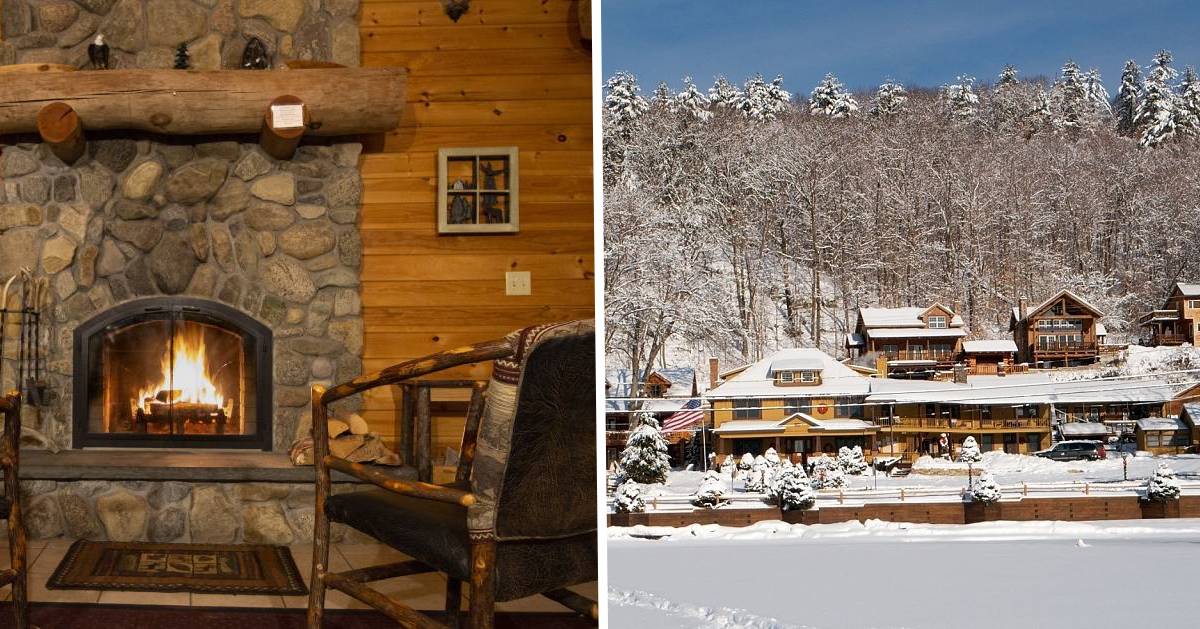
(969, 424)
(941, 356)
(1065, 348)
(1168, 339)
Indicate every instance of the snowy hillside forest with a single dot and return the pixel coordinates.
(741, 219)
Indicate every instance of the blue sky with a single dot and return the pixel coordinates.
(919, 42)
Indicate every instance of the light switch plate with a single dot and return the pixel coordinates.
(517, 283)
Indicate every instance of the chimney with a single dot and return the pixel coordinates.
(713, 370)
(1022, 308)
(960, 373)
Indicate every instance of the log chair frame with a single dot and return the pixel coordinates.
(18, 573)
(415, 407)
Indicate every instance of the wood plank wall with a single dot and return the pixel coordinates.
(509, 72)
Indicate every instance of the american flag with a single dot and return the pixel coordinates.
(685, 417)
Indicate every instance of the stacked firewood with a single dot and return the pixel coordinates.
(349, 438)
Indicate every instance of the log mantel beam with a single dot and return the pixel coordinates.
(340, 101)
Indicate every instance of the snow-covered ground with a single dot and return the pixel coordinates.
(1015, 473)
(919, 576)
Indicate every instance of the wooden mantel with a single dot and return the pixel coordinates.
(340, 101)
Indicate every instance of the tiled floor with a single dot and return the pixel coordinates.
(425, 591)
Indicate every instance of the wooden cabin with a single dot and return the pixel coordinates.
(1178, 321)
(990, 356)
(916, 342)
(1165, 435)
(1060, 331)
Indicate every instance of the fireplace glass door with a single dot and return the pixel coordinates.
(172, 375)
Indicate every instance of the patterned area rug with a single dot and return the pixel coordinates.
(201, 568)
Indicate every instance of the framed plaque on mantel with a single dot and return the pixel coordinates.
(478, 190)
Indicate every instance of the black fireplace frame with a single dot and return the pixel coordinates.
(259, 335)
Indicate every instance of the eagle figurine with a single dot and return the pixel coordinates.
(98, 53)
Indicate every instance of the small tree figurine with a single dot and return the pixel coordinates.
(629, 499)
(711, 490)
(645, 458)
(182, 62)
(792, 489)
(970, 451)
(986, 490)
(1163, 486)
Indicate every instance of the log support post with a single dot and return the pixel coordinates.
(59, 126)
(283, 125)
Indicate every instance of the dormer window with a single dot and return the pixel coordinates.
(937, 322)
(787, 377)
(808, 377)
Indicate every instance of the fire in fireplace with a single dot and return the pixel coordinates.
(172, 372)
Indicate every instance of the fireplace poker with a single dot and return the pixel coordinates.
(23, 322)
(4, 323)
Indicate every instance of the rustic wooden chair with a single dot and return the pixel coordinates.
(520, 517)
(10, 509)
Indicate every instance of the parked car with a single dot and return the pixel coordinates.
(1074, 451)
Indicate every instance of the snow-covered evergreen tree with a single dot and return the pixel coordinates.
(1012, 101)
(771, 457)
(622, 99)
(1008, 76)
(1128, 96)
(1069, 99)
(746, 462)
(724, 94)
(756, 477)
(1188, 111)
(959, 98)
(711, 490)
(629, 499)
(728, 466)
(662, 99)
(1163, 486)
(692, 102)
(1156, 115)
(889, 99)
(851, 460)
(970, 451)
(1097, 95)
(828, 98)
(827, 473)
(762, 101)
(985, 489)
(792, 490)
(645, 458)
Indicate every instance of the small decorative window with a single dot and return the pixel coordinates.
(477, 190)
(937, 322)
(787, 377)
(808, 377)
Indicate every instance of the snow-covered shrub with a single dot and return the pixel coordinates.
(851, 460)
(827, 474)
(1163, 486)
(747, 461)
(792, 490)
(711, 490)
(970, 451)
(985, 490)
(645, 458)
(628, 499)
(771, 456)
(727, 465)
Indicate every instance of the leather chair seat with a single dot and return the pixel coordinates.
(435, 533)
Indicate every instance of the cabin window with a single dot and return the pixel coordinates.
(1193, 303)
(787, 377)
(746, 408)
(808, 377)
(1026, 411)
(937, 322)
(849, 407)
(795, 405)
(1151, 439)
(655, 390)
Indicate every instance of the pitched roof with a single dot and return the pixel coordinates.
(1162, 423)
(757, 379)
(1064, 292)
(1031, 388)
(908, 333)
(1188, 290)
(906, 317)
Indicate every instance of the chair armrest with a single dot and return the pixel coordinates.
(400, 372)
(425, 491)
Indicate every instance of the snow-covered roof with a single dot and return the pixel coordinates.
(618, 381)
(1159, 315)
(802, 363)
(990, 346)
(1188, 290)
(906, 317)
(756, 380)
(1162, 423)
(908, 333)
(854, 339)
(1064, 292)
(1083, 429)
(1031, 388)
(1101, 330)
(1191, 412)
(750, 425)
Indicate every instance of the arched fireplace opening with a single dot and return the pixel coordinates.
(172, 372)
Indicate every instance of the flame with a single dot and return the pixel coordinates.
(185, 373)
